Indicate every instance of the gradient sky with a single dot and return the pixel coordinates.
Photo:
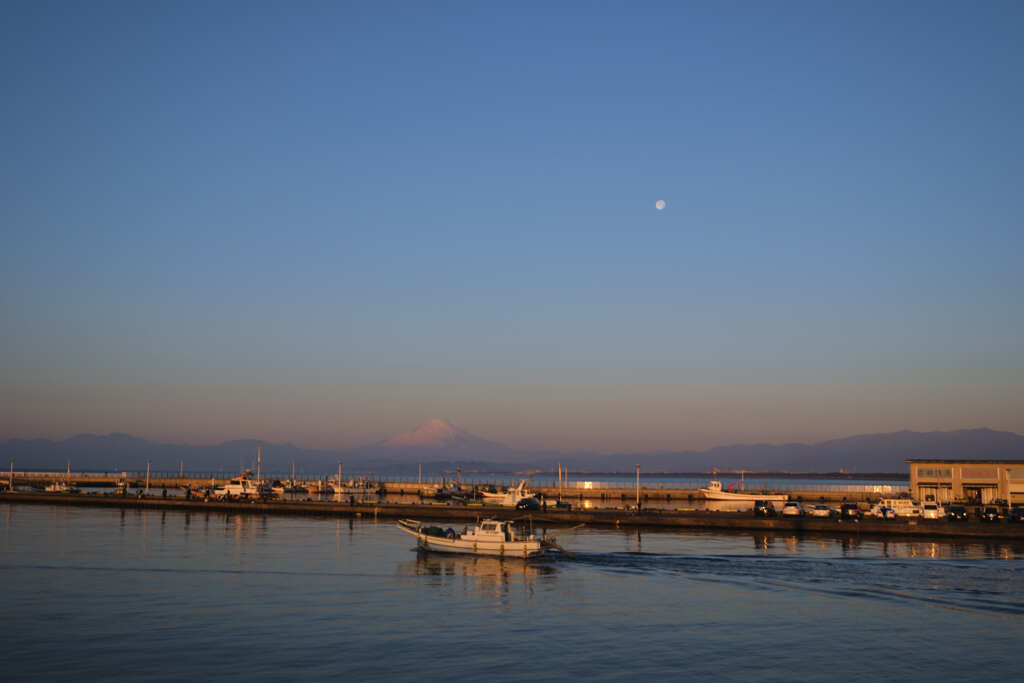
(327, 222)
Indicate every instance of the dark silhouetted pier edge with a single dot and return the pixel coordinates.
(917, 528)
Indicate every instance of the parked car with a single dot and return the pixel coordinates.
(933, 511)
(792, 509)
(990, 514)
(957, 513)
(1016, 513)
(821, 510)
(885, 512)
(850, 511)
(764, 508)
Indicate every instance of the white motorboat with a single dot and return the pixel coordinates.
(61, 487)
(714, 491)
(356, 487)
(239, 487)
(489, 537)
(508, 497)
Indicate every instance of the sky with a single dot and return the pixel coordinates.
(326, 222)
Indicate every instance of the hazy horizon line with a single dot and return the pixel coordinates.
(567, 451)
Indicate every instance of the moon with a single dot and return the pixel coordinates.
(660, 204)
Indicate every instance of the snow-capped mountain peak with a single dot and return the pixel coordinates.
(437, 433)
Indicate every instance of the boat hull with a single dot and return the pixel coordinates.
(743, 497)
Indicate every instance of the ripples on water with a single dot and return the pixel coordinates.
(167, 595)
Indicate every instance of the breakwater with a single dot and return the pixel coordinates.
(572, 490)
(712, 520)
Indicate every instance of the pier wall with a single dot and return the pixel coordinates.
(603, 492)
(599, 517)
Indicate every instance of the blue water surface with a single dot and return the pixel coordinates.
(98, 594)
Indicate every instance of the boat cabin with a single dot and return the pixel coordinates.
(492, 530)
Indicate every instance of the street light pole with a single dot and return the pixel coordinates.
(147, 477)
(638, 486)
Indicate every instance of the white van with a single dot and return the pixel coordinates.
(933, 511)
(903, 507)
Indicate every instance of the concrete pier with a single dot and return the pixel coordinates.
(597, 517)
(610, 495)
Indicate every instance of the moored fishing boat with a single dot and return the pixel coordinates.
(509, 497)
(714, 491)
(241, 486)
(355, 487)
(66, 486)
(489, 537)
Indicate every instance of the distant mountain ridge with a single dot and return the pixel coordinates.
(438, 445)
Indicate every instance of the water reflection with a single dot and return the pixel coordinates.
(491, 576)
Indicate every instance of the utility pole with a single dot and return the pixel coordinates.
(147, 477)
(638, 486)
(11, 483)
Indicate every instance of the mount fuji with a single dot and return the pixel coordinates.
(442, 435)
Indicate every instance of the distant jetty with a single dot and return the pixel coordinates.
(570, 490)
(606, 517)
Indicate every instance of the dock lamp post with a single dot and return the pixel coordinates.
(147, 477)
(638, 486)
(10, 486)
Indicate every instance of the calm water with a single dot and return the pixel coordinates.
(98, 594)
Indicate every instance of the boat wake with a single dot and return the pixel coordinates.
(985, 586)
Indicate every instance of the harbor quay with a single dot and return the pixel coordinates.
(603, 517)
(572, 490)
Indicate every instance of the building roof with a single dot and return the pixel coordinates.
(968, 462)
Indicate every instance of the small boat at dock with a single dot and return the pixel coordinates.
(714, 491)
(355, 487)
(66, 486)
(509, 497)
(61, 487)
(489, 537)
(242, 486)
